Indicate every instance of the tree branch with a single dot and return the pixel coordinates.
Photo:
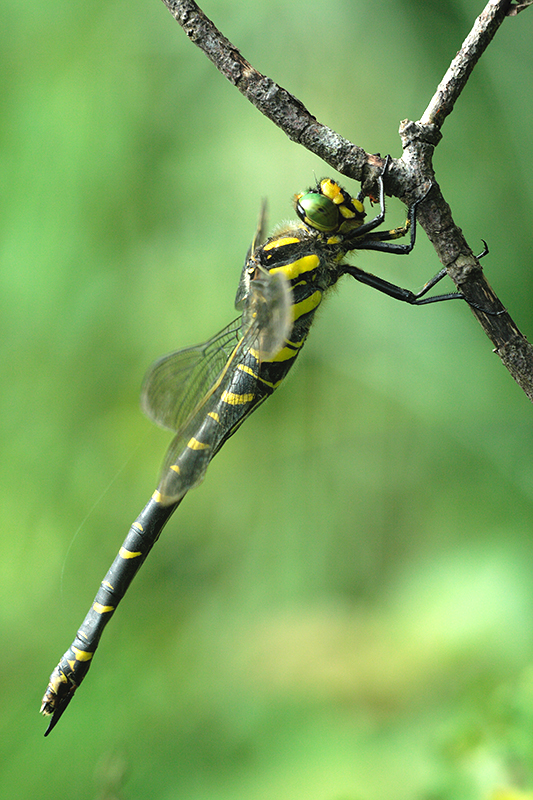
(406, 176)
(275, 102)
(459, 71)
(516, 8)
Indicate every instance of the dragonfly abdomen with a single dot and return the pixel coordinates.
(75, 663)
(224, 412)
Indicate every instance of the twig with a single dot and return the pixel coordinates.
(275, 102)
(516, 8)
(405, 176)
(474, 46)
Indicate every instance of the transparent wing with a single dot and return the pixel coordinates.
(243, 290)
(174, 484)
(268, 311)
(175, 386)
(264, 297)
(181, 389)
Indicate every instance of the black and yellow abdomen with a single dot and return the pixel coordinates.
(204, 393)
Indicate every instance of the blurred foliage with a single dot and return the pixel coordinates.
(343, 610)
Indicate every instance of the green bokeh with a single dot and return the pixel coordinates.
(342, 611)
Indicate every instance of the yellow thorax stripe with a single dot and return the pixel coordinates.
(307, 305)
(289, 351)
(296, 268)
(281, 242)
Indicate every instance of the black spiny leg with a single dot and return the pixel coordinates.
(362, 238)
(406, 295)
(398, 292)
(381, 241)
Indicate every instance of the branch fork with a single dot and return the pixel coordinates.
(405, 176)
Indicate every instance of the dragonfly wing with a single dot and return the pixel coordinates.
(204, 430)
(269, 310)
(176, 384)
(243, 290)
(183, 391)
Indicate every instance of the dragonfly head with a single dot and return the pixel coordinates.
(328, 208)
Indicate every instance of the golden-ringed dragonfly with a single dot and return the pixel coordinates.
(205, 393)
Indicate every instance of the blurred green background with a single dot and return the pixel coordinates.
(343, 610)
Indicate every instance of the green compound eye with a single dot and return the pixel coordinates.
(318, 212)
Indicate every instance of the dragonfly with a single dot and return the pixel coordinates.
(204, 393)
